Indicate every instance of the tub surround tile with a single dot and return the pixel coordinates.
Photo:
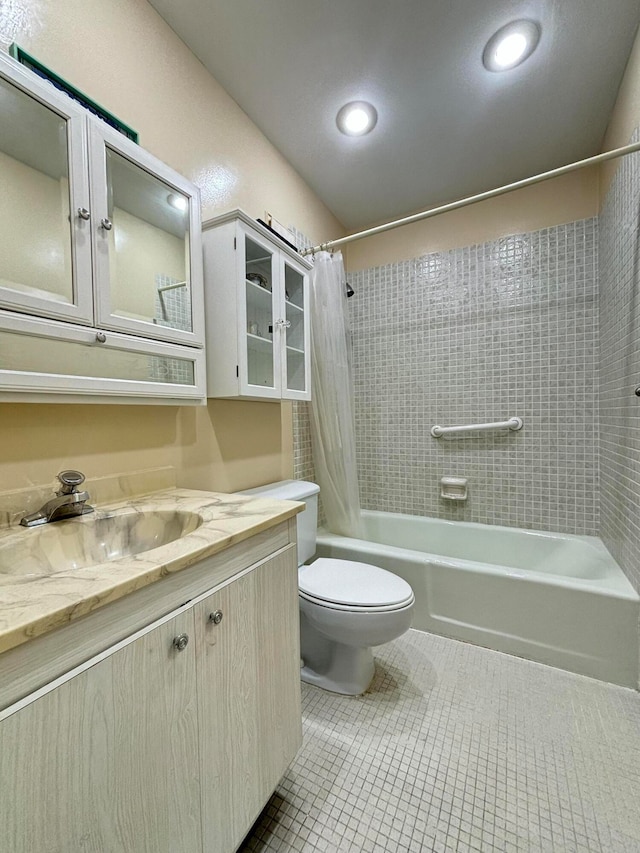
(34, 606)
(303, 467)
(480, 334)
(620, 366)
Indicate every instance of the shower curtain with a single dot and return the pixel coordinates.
(331, 408)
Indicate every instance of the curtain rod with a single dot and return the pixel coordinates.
(472, 199)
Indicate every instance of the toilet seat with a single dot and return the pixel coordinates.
(353, 586)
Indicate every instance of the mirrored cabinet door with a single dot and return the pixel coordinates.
(257, 315)
(146, 239)
(45, 250)
(295, 329)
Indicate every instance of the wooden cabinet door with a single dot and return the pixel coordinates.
(248, 696)
(106, 762)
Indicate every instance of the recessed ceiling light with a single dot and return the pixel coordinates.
(511, 45)
(357, 118)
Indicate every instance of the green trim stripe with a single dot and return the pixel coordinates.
(41, 70)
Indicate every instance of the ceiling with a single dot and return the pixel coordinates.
(446, 126)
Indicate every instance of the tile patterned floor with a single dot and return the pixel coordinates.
(457, 748)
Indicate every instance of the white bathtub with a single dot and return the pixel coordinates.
(549, 597)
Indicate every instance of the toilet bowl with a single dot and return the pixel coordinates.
(346, 607)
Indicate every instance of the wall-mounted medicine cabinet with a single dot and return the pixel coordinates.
(101, 271)
(256, 311)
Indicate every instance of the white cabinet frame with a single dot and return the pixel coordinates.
(246, 388)
(54, 384)
(102, 137)
(80, 310)
(32, 313)
(289, 393)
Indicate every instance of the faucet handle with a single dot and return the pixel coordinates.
(70, 480)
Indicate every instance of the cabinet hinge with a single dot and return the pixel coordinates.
(235, 243)
(237, 371)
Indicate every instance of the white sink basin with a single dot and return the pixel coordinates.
(91, 540)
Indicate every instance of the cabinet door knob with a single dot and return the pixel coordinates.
(181, 642)
(107, 224)
(216, 617)
(83, 213)
(101, 337)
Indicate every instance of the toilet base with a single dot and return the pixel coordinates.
(342, 669)
(334, 666)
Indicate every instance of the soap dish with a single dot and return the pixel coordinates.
(453, 488)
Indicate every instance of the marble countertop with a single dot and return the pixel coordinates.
(32, 603)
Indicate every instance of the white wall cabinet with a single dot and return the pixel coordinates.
(170, 742)
(256, 312)
(98, 235)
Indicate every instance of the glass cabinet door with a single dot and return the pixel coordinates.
(295, 360)
(259, 357)
(45, 250)
(146, 239)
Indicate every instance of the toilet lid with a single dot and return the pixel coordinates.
(347, 583)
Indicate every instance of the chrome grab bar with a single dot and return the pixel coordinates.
(512, 423)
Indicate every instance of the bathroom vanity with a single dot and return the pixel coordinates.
(151, 702)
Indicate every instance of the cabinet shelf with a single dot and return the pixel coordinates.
(256, 288)
(258, 342)
(293, 305)
(295, 350)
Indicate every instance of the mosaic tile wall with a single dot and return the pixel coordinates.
(303, 468)
(620, 366)
(302, 455)
(172, 309)
(481, 334)
(173, 303)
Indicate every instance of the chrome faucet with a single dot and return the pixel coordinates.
(68, 502)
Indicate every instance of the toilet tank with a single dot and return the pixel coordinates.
(307, 520)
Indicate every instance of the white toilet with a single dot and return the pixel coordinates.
(345, 607)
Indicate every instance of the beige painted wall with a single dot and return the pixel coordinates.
(625, 116)
(554, 202)
(125, 57)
